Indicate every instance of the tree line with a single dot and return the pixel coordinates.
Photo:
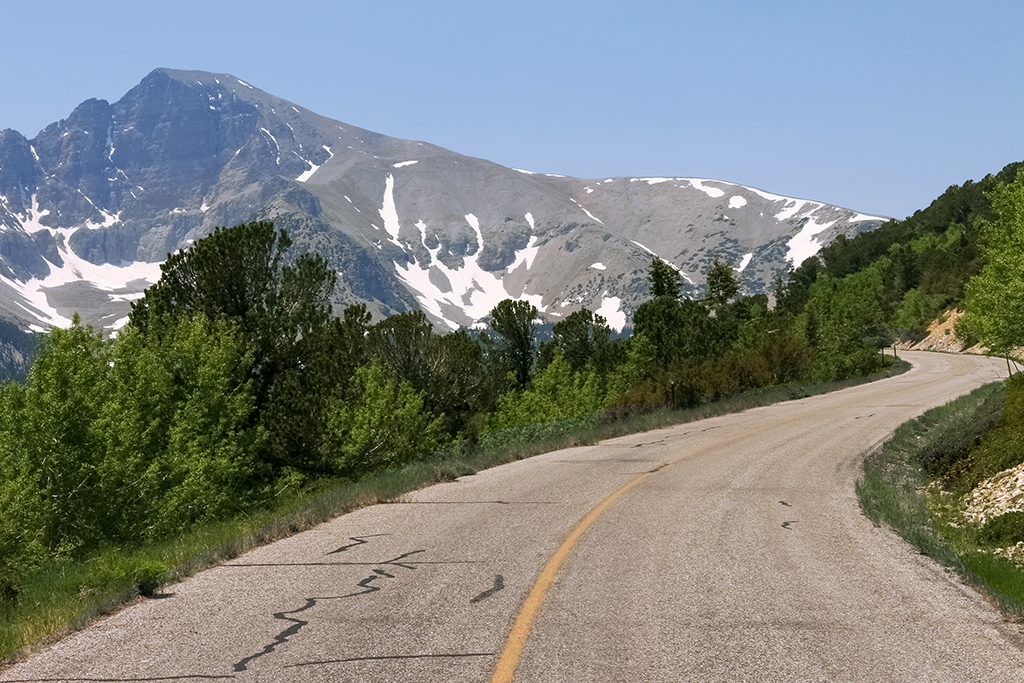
(233, 381)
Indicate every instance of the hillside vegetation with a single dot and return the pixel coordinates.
(953, 482)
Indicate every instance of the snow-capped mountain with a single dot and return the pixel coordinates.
(92, 205)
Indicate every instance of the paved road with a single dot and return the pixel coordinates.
(734, 551)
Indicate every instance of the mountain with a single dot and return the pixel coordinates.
(92, 205)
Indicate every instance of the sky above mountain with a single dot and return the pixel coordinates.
(872, 106)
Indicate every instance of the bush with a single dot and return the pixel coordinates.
(557, 393)
(386, 425)
(1003, 531)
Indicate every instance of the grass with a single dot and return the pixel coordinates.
(915, 484)
(976, 546)
(63, 598)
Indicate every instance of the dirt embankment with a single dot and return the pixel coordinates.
(942, 337)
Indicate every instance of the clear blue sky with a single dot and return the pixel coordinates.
(874, 105)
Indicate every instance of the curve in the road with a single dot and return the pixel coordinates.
(745, 559)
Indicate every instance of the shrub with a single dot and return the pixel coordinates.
(384, 426)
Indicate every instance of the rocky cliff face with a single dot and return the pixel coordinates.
(93, 204)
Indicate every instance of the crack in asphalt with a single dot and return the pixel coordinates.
(499, 583)
(400, 561)
(358, 541)
(659, 442)
(282, 637)
(367, 584)
(392, 657)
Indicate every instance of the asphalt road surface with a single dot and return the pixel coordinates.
(731, 549)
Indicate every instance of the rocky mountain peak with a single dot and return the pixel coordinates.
(93, 204)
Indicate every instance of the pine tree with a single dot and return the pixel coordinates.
(664, 279)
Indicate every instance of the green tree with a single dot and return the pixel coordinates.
(918, 309)
(23, 504)
(641, 363)
(722, 286)
(447, 370)
(461, 389)
(995, 298)
(664, 279)
(61, 449)
(175, 430)
(144, 387)
(210, 468)
(283, 311)
(241, 273)
(679, 330)
(583, 338)
(792, 297)
(404, 343)
(752, 320)
(514, 323)
(839, 311)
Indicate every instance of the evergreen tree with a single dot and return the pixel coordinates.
(583, 338)
(664, 279)
(679, 330)
(404, 344)
(514, 324)
(722, 286)
(283, 312)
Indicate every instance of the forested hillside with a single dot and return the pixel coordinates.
(923, 262)
(952, 483)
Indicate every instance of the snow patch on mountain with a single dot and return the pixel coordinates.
(31, 222)
(314, 167)
(864, 217)
(525, 256)
(713, 192)
(802, 246)
(454, 294)
(592, 216)
(108, 220)
(474, 223)
(737, 202)
(792, 208)
(647, 249)
(611, 310)
(389, 212)
(277, 146)
(121, 282)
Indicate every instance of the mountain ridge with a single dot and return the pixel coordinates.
(93, 204)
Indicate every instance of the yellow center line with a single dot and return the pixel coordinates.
(513, 649)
